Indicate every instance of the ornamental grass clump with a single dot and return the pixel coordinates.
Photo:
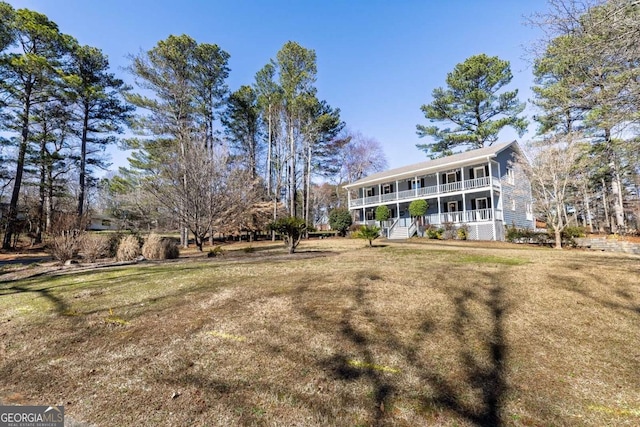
(128, 249)
(157, 248)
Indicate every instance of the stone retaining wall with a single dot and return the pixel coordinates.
(608, 245)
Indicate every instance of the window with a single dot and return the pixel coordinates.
(452, 206)
(369, 215)
(529, 212)
(511, 176)
(481, 203)
(450, 177)
(386, 189)
(370, 192)
(479, 172)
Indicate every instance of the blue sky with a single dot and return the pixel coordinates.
(378, 61)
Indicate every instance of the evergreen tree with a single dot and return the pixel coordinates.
(99, 110)
(472, 102)
(26, 76)
(243, 128)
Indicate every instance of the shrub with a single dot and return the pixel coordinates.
(526, 235)
(340, 220)
(292, 228)
(418, 208)
(170, 249)
(383, 213)
(449, 231)
(67, 231)
(463, 232)
(65, 246)
(94, 246)
(369, 233)
(434, 233)
(128, 249)
(114, 241)
(354, 228)
(215, 251)
(156, 247)
(573, 231)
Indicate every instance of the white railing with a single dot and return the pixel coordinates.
(477, 215)
(451, 187)
(390, 229)
(372, 199)
(413, 228)
(407, 194)
(389, 197)
(425, 191)
(477, 183)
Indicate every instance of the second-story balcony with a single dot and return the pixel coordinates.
(425, 192)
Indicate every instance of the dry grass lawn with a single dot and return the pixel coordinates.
(408, 334)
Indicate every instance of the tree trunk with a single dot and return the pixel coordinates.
(42, 191)
(616, 189)
(15, 195)
(269, 169)
(605, 205)
(83, 161)
(49, 204)
(588, 215)
(292, 171)
(308, 188)
(558, 234)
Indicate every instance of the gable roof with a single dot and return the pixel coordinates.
(433, 165)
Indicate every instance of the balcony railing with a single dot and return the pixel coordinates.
(433, 190)
(477, 215)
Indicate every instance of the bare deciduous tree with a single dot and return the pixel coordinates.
(552, 171)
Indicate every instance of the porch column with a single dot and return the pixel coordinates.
(439, 211)
(462, 178)
(380, 193)
(438, 184)
(363, 218)
(398, 210)
(416, 185)
(348, 198)
(397, 192)
(464, 208)
(493, 212)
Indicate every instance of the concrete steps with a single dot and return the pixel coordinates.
(399, 233)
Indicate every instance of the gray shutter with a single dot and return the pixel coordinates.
(473, 204)
(471, 174)
(486, 170)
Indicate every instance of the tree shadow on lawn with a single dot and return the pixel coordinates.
(482, 376)
(631, 305)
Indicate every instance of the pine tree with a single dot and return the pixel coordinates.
(474, 104)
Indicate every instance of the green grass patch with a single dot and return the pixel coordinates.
(488, 259)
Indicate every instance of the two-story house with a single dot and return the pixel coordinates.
(478, 188)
